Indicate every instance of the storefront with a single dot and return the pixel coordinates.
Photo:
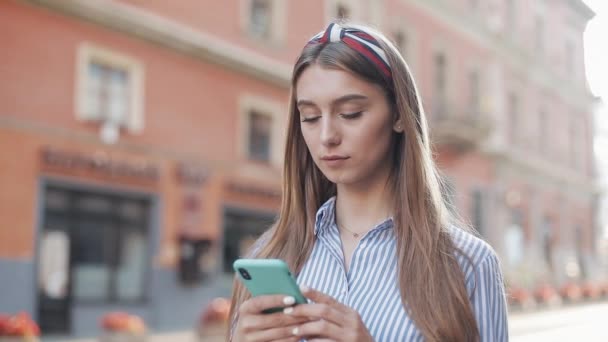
(98, 228)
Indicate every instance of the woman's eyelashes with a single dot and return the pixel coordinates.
(311, 118)
(350, 116)
(347, 116)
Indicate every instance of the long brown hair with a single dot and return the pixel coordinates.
(431, 281)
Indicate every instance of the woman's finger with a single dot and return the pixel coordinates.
(317, 311)
(319, 329)
(258, 304)
(320, 297)
(280, 333)
(266, 321)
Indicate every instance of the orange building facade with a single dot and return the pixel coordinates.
(141, 142)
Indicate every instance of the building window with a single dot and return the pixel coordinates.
(576, 142)
(241, 229)
(514, 238)
(342, 12)
(108, 92)
(260, 133)
(477, 211)
(474, 5)
(264, 21)
(405, 40)
(440, 84)
(259, 137)
(580, 251)
(110, 89)
(513, 117)
(547, 242)
(474, 102)
(260, 20)
(401, 42)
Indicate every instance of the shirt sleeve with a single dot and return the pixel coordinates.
(489, 301)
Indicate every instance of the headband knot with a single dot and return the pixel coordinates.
(358, 40)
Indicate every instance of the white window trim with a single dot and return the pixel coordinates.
(266, 106)
(440, 46)
(399, 25)
(88, 52)
(475, 65)
(515, 89)
(355, 8)
(278, 20)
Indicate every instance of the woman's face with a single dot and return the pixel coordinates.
(347, 125)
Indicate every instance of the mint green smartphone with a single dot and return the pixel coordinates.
(268, 277)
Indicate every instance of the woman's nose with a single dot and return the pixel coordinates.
(330, 134)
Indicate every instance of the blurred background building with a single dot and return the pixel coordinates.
(141, 141)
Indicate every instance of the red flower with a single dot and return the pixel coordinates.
(20, 324)
(122, 321)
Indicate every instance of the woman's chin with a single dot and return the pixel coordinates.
(340, 178)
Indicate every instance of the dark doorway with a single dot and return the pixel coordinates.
(93, 249)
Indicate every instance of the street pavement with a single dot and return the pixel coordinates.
(587, 322)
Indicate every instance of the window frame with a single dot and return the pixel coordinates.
(249, 103)
(354, 8)
(278, 21)
(88, 53)
(410, 33)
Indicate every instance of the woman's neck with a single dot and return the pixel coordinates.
(359, 209)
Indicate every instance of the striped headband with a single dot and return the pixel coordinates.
(357, 40)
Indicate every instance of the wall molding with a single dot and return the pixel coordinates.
(173, 35)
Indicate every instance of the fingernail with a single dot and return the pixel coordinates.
(304, 288)
(288, 310)
(289, 300)
(295, 331)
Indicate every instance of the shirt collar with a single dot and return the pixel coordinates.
(325, 215)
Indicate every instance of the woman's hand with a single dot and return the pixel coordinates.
(329, 320)
(255, 326)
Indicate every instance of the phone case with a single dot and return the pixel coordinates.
(268, 277)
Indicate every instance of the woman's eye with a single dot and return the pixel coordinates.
(351, 115)
(310, 119)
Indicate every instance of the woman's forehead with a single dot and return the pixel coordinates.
(317, 83)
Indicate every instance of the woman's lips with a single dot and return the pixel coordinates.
(333, 160)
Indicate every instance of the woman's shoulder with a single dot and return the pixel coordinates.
(475, 249)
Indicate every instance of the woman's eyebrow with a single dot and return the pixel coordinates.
(340, 100)
(345, 98)
(301, 103)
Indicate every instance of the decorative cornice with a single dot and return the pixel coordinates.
(170, 34)
(545, 172)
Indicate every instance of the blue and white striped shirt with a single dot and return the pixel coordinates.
(371, 286)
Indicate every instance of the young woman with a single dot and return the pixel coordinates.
(362, 222)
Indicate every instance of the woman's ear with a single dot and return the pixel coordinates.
(398, 126)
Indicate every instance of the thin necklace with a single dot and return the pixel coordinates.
(355, 235)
